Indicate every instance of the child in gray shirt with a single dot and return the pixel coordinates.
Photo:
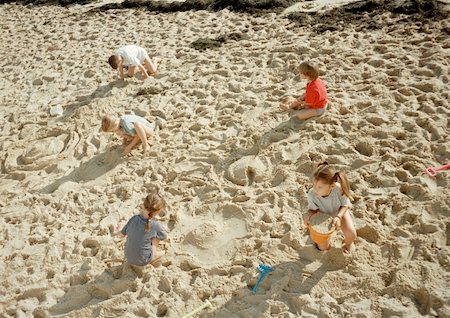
(332, 197)
(144, 234)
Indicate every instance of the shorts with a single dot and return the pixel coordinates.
(321, 111)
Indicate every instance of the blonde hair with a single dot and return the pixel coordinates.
(325, 173)
(309, 69)
(114, 61)
(153, 203)
(108, 122)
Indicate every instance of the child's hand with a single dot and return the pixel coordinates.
(126, 151)
(285, 105)
(307, 217)
(118, 228)
(336, 222)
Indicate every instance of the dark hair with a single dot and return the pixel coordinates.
(114, 61)
(309, 69)
(153, 203)
(325, 173)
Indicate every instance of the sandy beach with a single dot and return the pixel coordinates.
(233, 168)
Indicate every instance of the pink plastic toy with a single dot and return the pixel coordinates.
(433, 171)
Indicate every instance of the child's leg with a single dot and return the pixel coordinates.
(157, 253)
(305, 113)
(348, 228)
(143, 132)
(151, 66)
(324, 246)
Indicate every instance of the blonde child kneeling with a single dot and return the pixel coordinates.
(315, 99)
(131, 128)
(331, 195)
(144, 233)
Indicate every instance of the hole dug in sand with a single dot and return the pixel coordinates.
(212, 240)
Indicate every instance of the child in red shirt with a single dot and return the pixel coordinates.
(314, 101)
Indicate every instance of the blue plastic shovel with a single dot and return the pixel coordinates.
(265, 269)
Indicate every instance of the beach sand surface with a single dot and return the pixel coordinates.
(233, 168)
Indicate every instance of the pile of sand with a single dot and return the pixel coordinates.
(233, 168)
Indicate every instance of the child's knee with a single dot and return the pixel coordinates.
(350, 234)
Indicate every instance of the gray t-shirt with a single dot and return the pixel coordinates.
(138, 248)
(331, 203)
(127, 123)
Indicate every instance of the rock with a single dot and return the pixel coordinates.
(38, 82)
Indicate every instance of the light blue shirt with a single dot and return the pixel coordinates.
(138, 248)
(127, 123)
(329, 204)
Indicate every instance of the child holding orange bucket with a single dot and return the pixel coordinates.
(330, 194)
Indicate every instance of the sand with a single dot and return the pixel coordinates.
(233, 169)
(321, 222)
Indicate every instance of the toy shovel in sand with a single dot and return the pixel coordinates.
(207, 304)
(433, 171)
(265, 269)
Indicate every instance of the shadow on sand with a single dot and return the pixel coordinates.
(286, 289)
(84, 292)
(89, 170)
(101, 91)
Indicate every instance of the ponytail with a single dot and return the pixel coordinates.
(345, 186)
(153, 203)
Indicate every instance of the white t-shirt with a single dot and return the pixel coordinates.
(133, 55)
(331, 203)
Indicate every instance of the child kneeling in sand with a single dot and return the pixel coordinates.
(131, 128)
(331, 195)
(136, 59)
(314, 101)
(144, 234)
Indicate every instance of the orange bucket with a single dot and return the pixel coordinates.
(319, 237)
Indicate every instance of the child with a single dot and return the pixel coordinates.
(331, 195)
(144, 234)
(136, 59)
(131, 128)
(314, 101)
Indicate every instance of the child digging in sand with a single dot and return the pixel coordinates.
(131, 128)
(314, 101)
(144, 233)
(136, 59)
(331, 195)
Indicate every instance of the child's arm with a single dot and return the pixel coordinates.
(120, 67)
(118, 229)
(130, 146)
(293, 104)
(308, 215)
(338, 218)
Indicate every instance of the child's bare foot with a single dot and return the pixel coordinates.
(157, 62)
(349, 249)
